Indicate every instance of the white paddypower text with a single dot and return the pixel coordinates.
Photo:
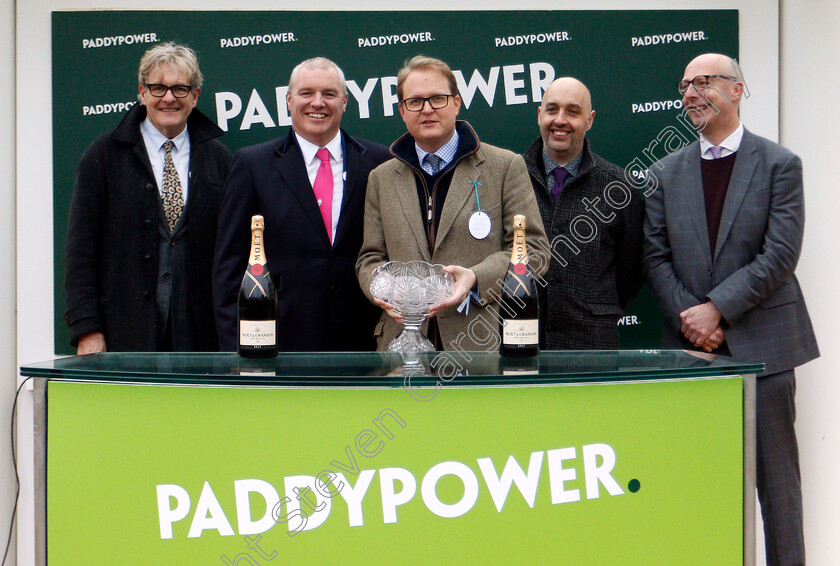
(397, 487)
(516, 83)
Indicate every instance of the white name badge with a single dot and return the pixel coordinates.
(479, 225)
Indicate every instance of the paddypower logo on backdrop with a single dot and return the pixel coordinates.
(665, 38)
(96, 109)
(395, 39)
(517, 83)
(532, 38)
(656, 106)
(254, 40)
(118, 40)
(572, 475)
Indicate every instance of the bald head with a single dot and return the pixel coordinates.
(571, 88)
(564, 116)
(716, 62)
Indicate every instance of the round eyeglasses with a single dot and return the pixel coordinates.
(700, 83)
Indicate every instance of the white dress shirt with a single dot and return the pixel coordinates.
(728, 146)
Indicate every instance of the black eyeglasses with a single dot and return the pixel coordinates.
(700, 83)
(178, 91)
(437, 102)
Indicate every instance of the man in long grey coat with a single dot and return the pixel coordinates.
(723, 233)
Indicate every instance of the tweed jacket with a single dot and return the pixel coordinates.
(589, 283)
(111, 266)
(750, 278)
(320, 305)
(395, 231)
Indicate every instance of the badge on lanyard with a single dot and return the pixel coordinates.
(480, 224)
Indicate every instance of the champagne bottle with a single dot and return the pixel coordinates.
(519, 306)
(257, 312)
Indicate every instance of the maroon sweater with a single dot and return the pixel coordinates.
(716, 174)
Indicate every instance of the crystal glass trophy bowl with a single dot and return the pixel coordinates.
(411, 288)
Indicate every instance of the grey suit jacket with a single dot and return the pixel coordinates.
(394, 231)
(751, 277)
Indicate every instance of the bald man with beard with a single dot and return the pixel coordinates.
(593, 221)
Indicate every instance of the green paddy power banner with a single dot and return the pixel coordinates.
(631, 61)
(618, 474)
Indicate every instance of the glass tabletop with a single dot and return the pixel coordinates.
(387, 369)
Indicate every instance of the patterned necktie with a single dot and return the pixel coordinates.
(173, 199)
(323, 188)
(715, 150)
(560, 176)
(434, 162)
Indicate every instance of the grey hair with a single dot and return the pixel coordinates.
(170, 53)
(318, 63)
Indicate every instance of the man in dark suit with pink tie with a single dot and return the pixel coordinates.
(310, 187)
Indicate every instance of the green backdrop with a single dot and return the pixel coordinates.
(630, 60)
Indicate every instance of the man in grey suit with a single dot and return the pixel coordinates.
(723, 233)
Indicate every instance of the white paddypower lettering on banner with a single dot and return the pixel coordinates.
(657, 106)
(629, 320)
(547, 37)
(664, 38)
(519, 85)
(397, 487)
(106, 108)
(250, 40)
(117, 40)
(380, 40)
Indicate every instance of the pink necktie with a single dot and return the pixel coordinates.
(323, 188)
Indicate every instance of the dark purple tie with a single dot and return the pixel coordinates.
(560, 176)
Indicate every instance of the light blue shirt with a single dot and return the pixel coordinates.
(446, 153)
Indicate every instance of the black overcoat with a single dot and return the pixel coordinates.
(111, 265)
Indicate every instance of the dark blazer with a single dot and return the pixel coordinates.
(111, 266)
(589, 285)
(751, 277)
(320, 304)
